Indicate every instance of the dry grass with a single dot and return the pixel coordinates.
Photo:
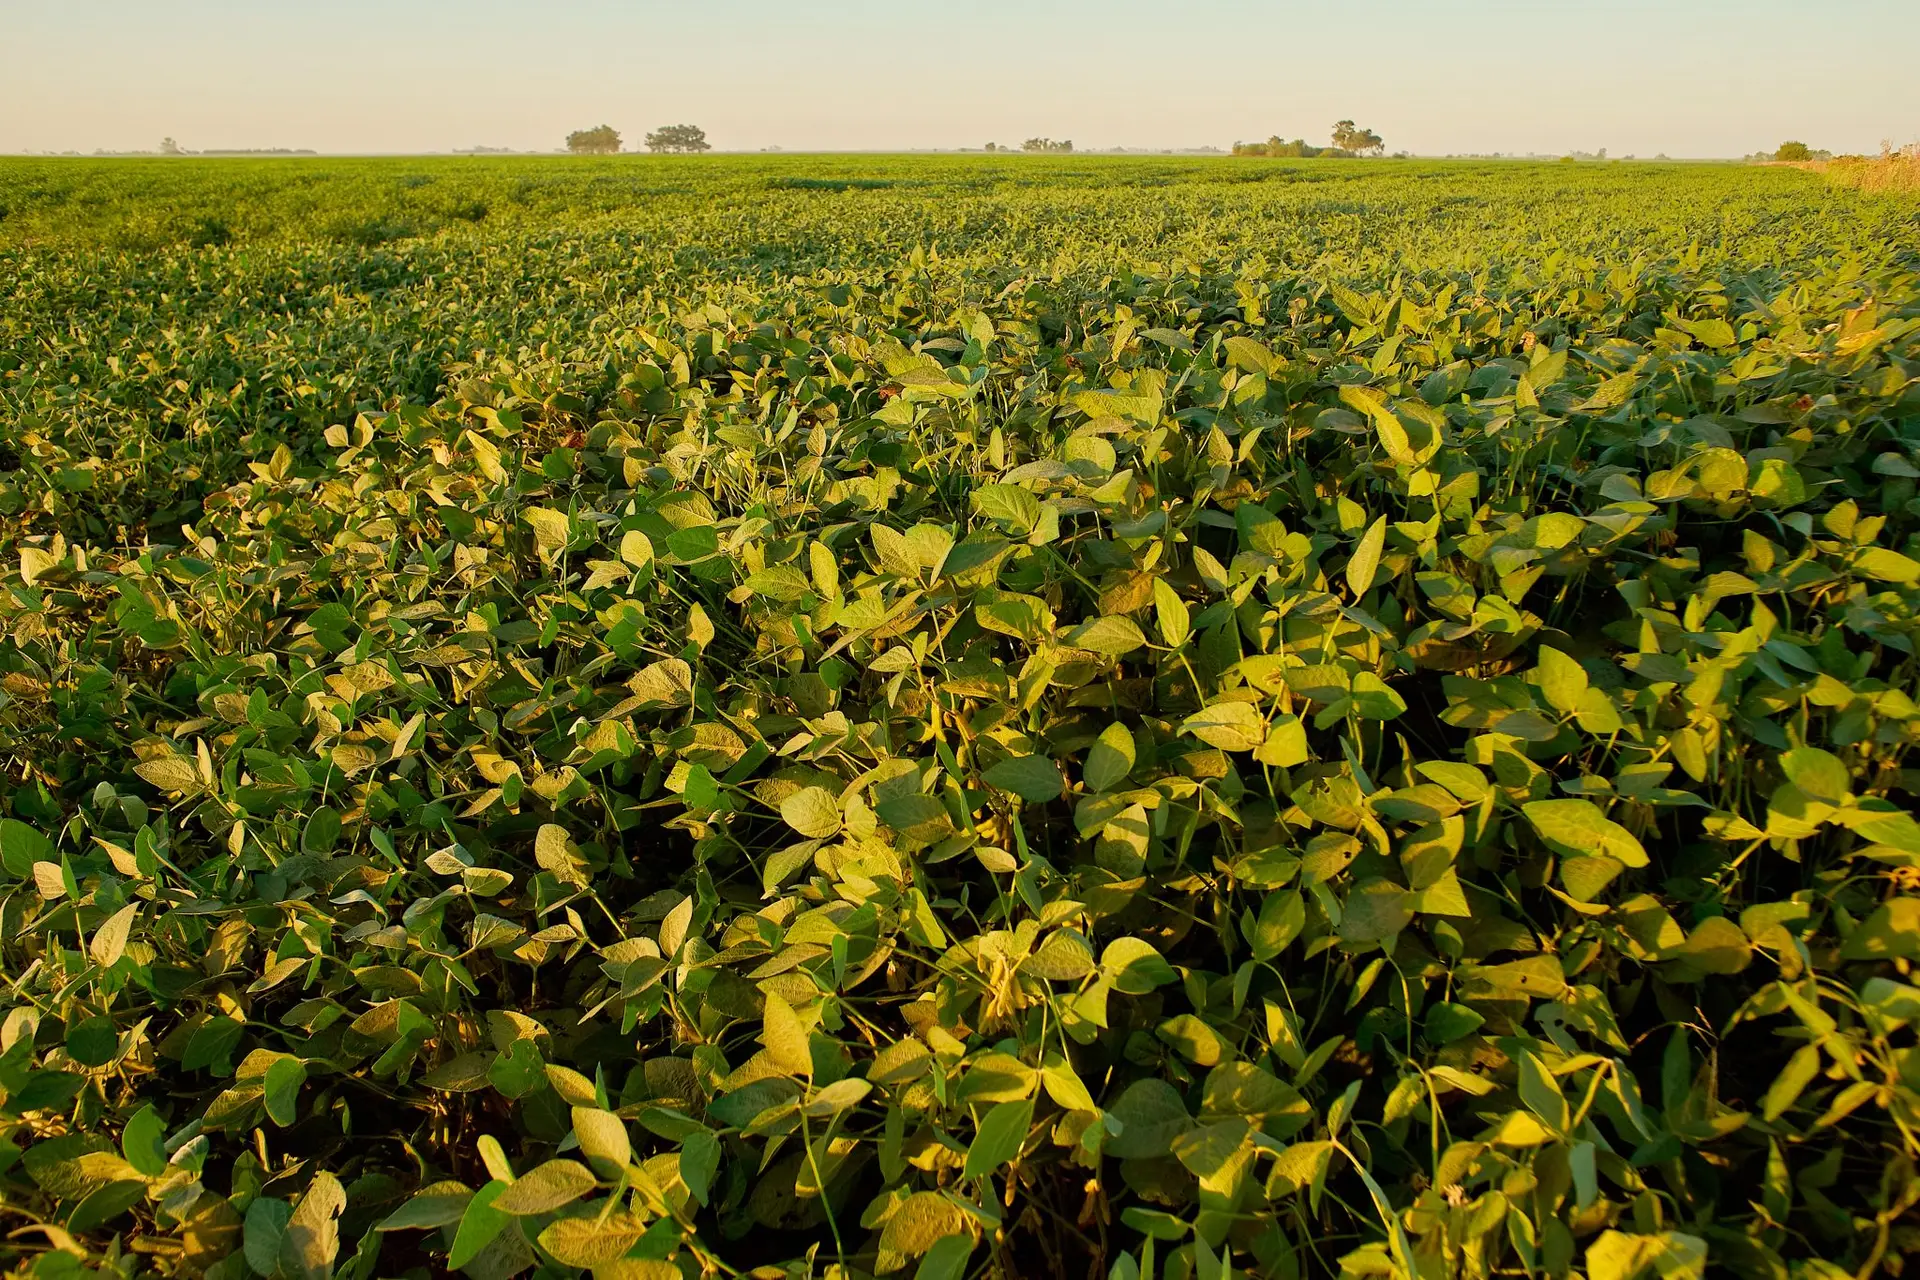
(1891, 170)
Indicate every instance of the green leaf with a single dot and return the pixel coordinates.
(480, 1222)
(20, 847)
(438, 1204)
(1713, 332)
(947, 1260)
(1893, 930)
(1151, 1116)
(1034, 779)
(143, 1142)
(694, 543)
(1447, 1022)
(1577, 828)
(1282, 916)
(1110, 759)
(93, 1042)
(264, 1231)
(1365, 562)
(106, 1202)
(1777, 484)
(1064, 1085)
(1000, 1137)
(920, 819)
(699, 1162)
(553, 1184)
(1799, 1072)
(1063, 957)
(1135, 967)
(1286, 744)
(1541, 1092)
(1171, 614)
(1562, 680)
(1112, 636)
(1010, 504)
(1818, 773)
(1584, 878)
(1022, 617)
(282, 1090)
(1374, 699)
(1195, 1040)
(1375, 911)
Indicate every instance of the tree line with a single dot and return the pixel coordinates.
(1349, 139)
(604, 140)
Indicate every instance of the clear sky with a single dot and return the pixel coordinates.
(1684, 77)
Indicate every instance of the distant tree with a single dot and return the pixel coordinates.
(1046, 144)
(168, 147)
(678, 138)
(1350, 137)
(1278, 147)
(603, 141)
(1793, 151)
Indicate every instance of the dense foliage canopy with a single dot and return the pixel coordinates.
(942, 718)
(601, 140)
(678, 138)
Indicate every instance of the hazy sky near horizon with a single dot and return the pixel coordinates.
(1684, 77)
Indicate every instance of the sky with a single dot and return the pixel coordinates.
(1682, 77)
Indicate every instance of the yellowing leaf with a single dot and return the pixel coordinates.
(1230, 726)
(595, 1242)
(1365, 561)
(110, 939)
(170, 773)
(552, 530)
(553, 1184)
(555, 852)
(812, 811)
(786, 1039)
(603, 1138)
